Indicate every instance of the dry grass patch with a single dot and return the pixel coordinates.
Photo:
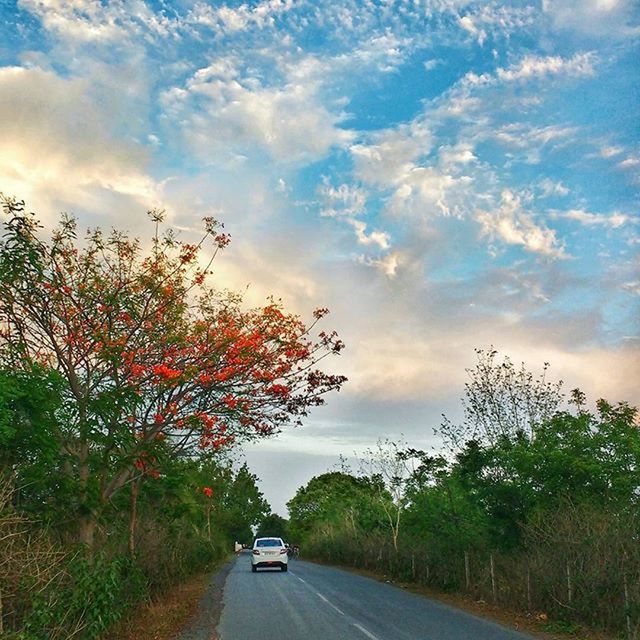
(166, 615)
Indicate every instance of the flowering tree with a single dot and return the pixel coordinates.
(156, 363)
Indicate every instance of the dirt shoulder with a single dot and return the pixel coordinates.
(202, 624)
(535, 625)
(189, 611)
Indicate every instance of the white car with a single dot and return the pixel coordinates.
(269, 552)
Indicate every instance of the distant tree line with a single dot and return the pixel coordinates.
(532, 503)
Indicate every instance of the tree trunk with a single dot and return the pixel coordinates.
(87, 519)
(494, 590)
(87, 532)
(133, 515)
(467, 571)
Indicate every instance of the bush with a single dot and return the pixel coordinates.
(94, 596)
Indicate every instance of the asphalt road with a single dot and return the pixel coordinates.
(314, 602)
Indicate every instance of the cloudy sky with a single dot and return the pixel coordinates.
(441, 174)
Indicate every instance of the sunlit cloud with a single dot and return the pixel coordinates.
(512, 224)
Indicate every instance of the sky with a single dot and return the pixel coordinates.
(443, 175)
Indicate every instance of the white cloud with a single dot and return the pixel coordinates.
(395, 160)
(629, 163)
(388, 265)
(632, 287)
(346, 202)
(614, 220)
(607, 18)
(429, 65)
(462, 153)
(610, 151)
(523, 135)
(58, 147)
(549, 187)
(431, 186)
(467, 23)
(228, 19)
(82, 20)
(219, 111)
(391, 153)
(342, 201)
(378, 238)
(582, 64)
(533, 140)
(511, 224)
(416, 359)
(92, 21)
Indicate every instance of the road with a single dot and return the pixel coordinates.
(314, 602)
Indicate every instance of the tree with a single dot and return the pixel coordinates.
(390, 466)
(441, 512)
(335, 499)
(273, 525)
(154, 361)
(242, 505)
(502, 400)
(582, 458)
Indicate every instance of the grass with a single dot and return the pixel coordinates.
(165, 616)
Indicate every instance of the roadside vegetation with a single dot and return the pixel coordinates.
(126, 379)
(533, 505)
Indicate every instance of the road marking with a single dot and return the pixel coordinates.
(342, 613)
(330, 603)
(365, 631)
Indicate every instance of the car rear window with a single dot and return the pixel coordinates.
(269, 542)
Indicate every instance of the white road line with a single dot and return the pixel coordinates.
(330, 603)
(365, 631)
(342, 613)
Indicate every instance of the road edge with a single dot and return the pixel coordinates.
(512, 620)
(203, 624)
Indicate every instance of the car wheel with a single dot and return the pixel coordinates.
(285, 567)
(254, 568)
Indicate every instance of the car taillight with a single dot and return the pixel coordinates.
(256, 552)
(283, 551)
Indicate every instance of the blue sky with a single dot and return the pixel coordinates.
(442, 174)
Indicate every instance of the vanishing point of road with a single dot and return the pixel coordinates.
(315, 602)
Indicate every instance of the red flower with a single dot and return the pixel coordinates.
(137, 370)
(230, 401)
(278, 390)
(208, 491)
(165, 372)
(222, 240)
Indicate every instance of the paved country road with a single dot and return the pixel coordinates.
(314, 602)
